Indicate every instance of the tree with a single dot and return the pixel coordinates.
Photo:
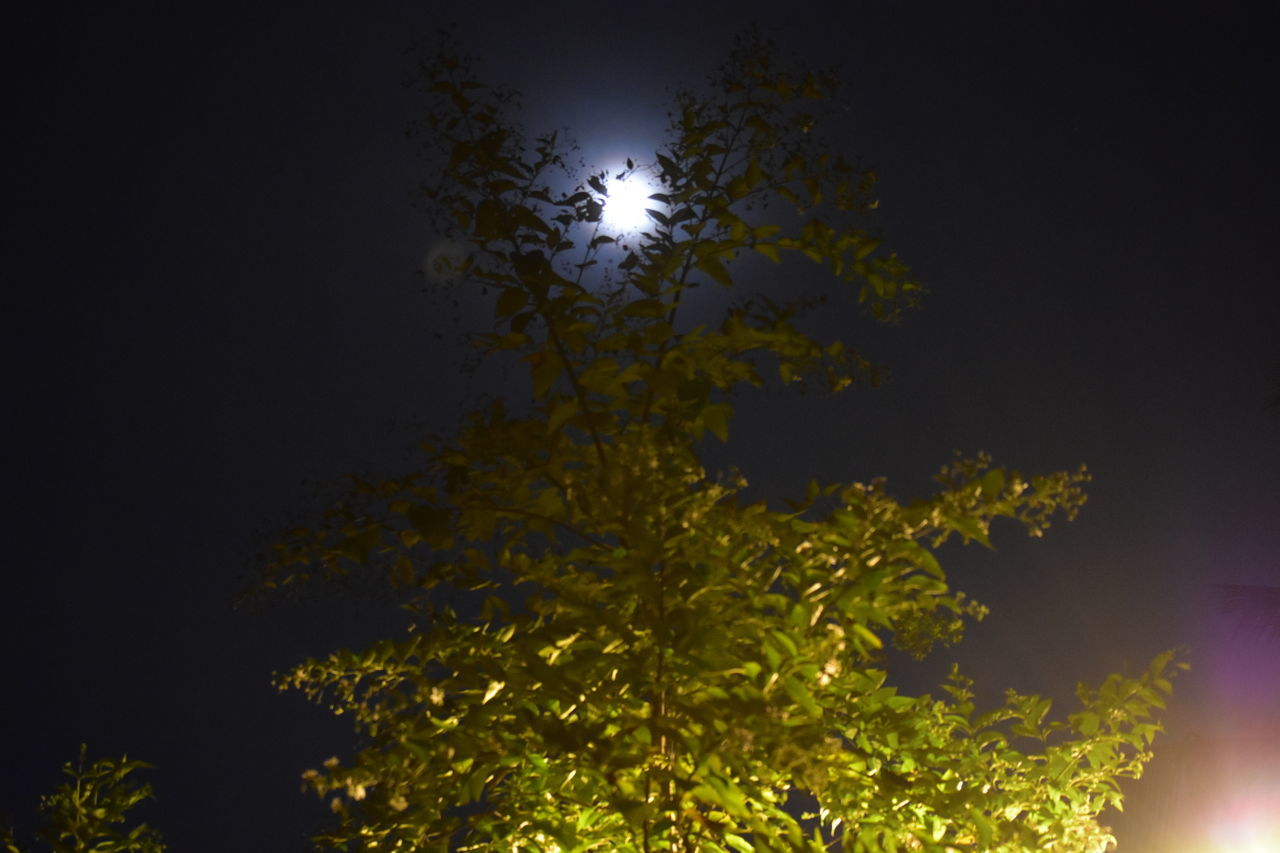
(659, 663)
(83, 815)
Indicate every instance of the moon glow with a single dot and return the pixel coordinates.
(624, 208)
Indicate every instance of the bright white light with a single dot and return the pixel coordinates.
(624, 209)
(1248, 824)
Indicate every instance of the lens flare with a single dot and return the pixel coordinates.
(1248, 824)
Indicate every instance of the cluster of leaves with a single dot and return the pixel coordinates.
(660, 664)
(85, 815)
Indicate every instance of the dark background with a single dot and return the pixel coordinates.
(211, 297)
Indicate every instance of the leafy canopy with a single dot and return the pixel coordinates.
(85, 814)
(657, 663)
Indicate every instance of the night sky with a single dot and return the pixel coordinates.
(212, 302)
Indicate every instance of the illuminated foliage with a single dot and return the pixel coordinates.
(660, 664)
(85, 814)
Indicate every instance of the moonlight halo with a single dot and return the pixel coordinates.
(629, 191)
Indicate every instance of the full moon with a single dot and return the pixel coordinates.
(624, 208)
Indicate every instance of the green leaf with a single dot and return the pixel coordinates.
(993, 482)
(971, 528)
(357, 547)
(432, 523)
(712, 266)
(1086, 723)
(492, 690)
(546, 369)
(769, 250)
(526, 218)
(867, 635)
(561, 412)
(694, 389)
(510, 301)
(716, 418)
(800, 694)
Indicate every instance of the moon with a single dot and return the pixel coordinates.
(624, 207)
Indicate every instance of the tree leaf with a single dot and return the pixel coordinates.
(561, 412)
(769, 250)
(432, 523)
(712, 266)
(546, 369)
(510, 301)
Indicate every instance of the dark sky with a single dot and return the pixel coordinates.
(211, 298)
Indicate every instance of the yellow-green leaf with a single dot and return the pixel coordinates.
(711, 265)
(560, 413)
(769, 250)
